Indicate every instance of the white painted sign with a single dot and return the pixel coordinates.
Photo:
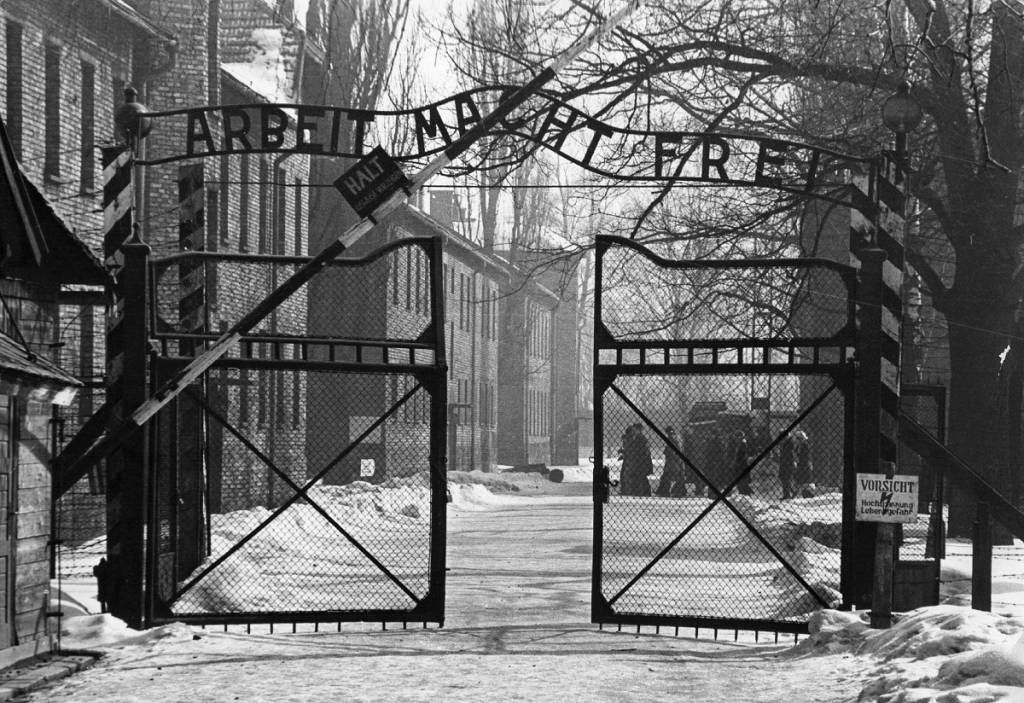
(886, 499)
(367, 468)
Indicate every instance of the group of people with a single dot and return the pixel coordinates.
(725, 460)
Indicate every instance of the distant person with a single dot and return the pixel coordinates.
(636, 463)
(740, 460)
(803, 474)
(761, 439)
(787, 465)
(673, 476)
(644, 463)
(626, 452)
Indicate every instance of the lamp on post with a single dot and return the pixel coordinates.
(130, 121)
(901, 114)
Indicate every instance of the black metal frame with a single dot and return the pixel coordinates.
(423, 358)
(831, 356)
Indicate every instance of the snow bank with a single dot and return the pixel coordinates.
(99, 631)
(938, 653)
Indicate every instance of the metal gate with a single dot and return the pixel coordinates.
(723, 438)
(302, 478)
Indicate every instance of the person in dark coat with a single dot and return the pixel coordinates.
(644, 463)
(786, 466)
(803, 473)
(673, 476)
(627, 452)
(636, 463)
(740, 459)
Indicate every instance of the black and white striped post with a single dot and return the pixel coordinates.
(126, 386)
(230, 338)
(191, 279)
(880, 301)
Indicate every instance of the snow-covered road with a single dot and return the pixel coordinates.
(518, 629)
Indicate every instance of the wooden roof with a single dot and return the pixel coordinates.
(35, 244)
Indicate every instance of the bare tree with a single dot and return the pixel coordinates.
(818, 72)
(360, 39)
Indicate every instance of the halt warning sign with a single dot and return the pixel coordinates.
(882, 498)
(371, 181)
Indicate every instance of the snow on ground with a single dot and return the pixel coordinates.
(940, 653)
(947, 653)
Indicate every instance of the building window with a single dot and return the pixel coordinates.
(462, 301)
(213, 215)
(243, 397)
(222, 219)
(243, 205)
(87, 179)
(263, 378)
(393, 261)
(296, 400)
(265, 206)
(280, 210)
(281, 399)
(417, 262)
(15, 70)
(408, 278)
(299, 224)
(51, 112)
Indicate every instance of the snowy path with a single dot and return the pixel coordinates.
(517, 629)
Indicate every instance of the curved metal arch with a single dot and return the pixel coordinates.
(658, 156)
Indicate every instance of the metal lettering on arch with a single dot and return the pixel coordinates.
(668, 156)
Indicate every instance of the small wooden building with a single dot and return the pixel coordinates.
(39, 258)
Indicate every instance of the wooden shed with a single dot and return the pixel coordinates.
(38, 258)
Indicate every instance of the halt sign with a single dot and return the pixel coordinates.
(372, 180)
(882, 498)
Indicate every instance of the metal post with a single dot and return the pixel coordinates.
(879, 578)
(127, 469)
(981, 559)
(859, 540)
(438, 431)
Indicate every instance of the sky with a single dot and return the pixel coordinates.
(518, 629)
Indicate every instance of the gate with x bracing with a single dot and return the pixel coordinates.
(723, 438)
(301, 479)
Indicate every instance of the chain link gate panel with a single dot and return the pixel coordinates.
(723, 431)
(302, 479)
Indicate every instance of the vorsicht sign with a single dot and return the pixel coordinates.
(882, 498)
